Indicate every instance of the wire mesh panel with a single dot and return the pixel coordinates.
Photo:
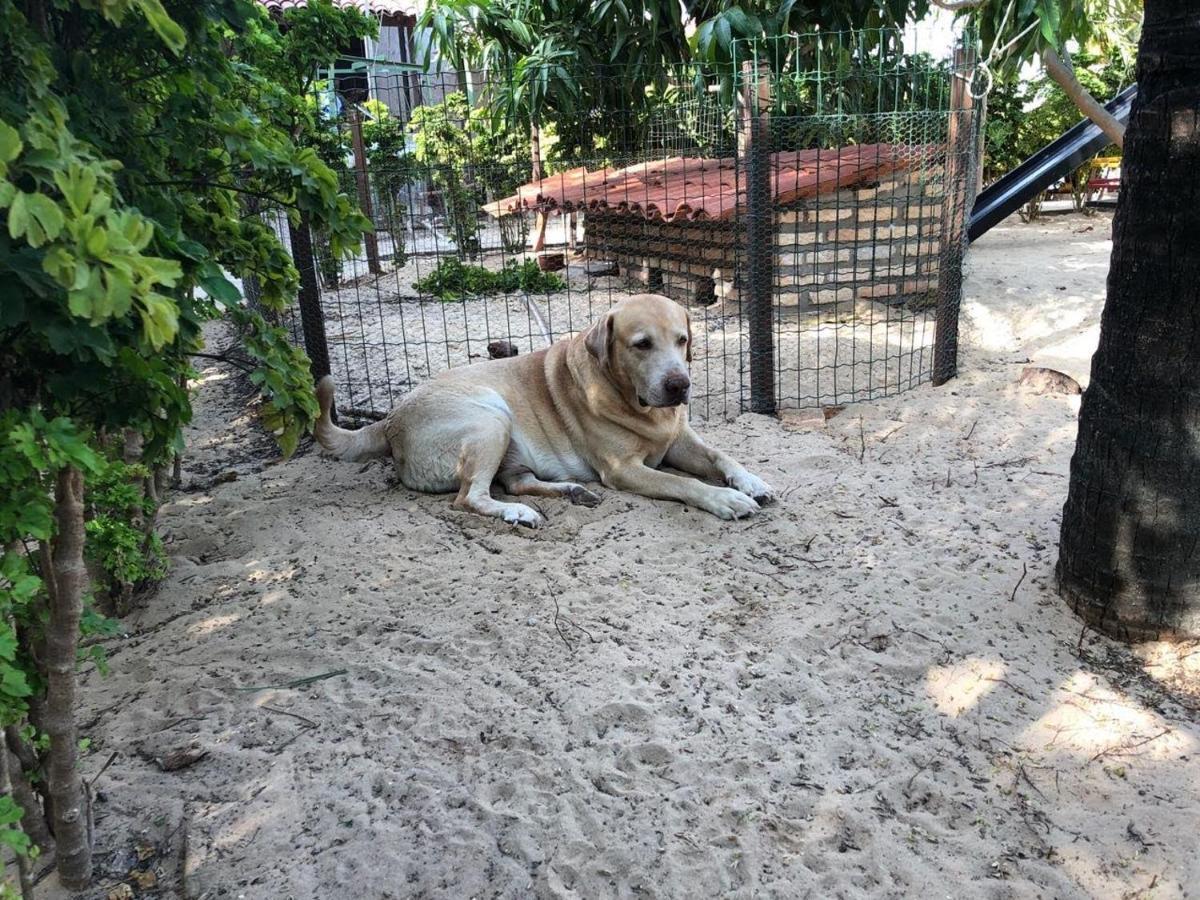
(797, 201)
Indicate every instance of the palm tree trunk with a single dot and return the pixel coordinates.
(1129, 560)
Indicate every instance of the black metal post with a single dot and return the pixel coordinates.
(312, 319)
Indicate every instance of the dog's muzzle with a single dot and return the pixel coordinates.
(675, 389)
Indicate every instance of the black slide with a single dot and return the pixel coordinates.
(1052, 163)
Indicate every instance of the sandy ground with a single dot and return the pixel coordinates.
(869, 690)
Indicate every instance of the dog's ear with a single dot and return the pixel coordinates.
(599, 339)
(689, 346)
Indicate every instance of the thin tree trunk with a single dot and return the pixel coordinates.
(537, 173)
(66, 583)
(535, 153)
(32, 642)
(11, 783)
(1129, 559)
(1064, 76)
(22, 762)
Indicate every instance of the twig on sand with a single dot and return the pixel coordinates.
(559, 617)
(862, 440)
(1010, 463)
(299, 682)
(1022, 773)
(104, 768)
(967, 436)
(913, 777)
(283, 712)
(557, 627)
(1024, 693)
(1122, 750)
(1024, 572)
(1079, 645)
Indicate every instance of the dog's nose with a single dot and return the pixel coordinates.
(676, 386)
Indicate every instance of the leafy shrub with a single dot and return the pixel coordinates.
(514, 232)
(468, 156)
(122, 545)
(454, 280)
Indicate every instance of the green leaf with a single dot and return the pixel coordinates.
(1048, 31)
(9, 813)
(722, 29)
(10, 146)
(217, 286)
(160, 320)
(97, 242)
(77, 186)
(18, 215)
(164, 26)
(35, 217)
(13, 682)
(10, 142)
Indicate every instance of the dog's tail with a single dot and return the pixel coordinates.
(352, 446)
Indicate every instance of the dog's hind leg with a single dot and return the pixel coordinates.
(522, 484)
(479, 459)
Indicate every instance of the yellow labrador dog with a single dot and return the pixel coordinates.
(609, 404)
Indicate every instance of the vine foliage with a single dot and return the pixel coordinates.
(132, 135)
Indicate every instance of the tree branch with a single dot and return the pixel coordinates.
(200, 183)
(1064, 76)
(956, 5)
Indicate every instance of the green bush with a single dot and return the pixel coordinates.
(454, 280)
(126, 552)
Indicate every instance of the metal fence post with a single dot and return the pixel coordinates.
(960, 152)
(312, 320)
(754, 148)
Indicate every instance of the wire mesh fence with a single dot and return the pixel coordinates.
(805, 203)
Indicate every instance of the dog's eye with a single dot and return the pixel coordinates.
(643, 344)
(682, 341)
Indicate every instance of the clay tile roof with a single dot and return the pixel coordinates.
(689, 188)
(388, 9)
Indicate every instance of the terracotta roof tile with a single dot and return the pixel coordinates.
(699, 188)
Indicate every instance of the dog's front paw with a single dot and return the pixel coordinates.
(752, 486)
(520, 514)
(726, 503)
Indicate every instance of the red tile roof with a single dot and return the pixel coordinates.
(697, 188)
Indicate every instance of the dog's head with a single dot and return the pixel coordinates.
(644, 344)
